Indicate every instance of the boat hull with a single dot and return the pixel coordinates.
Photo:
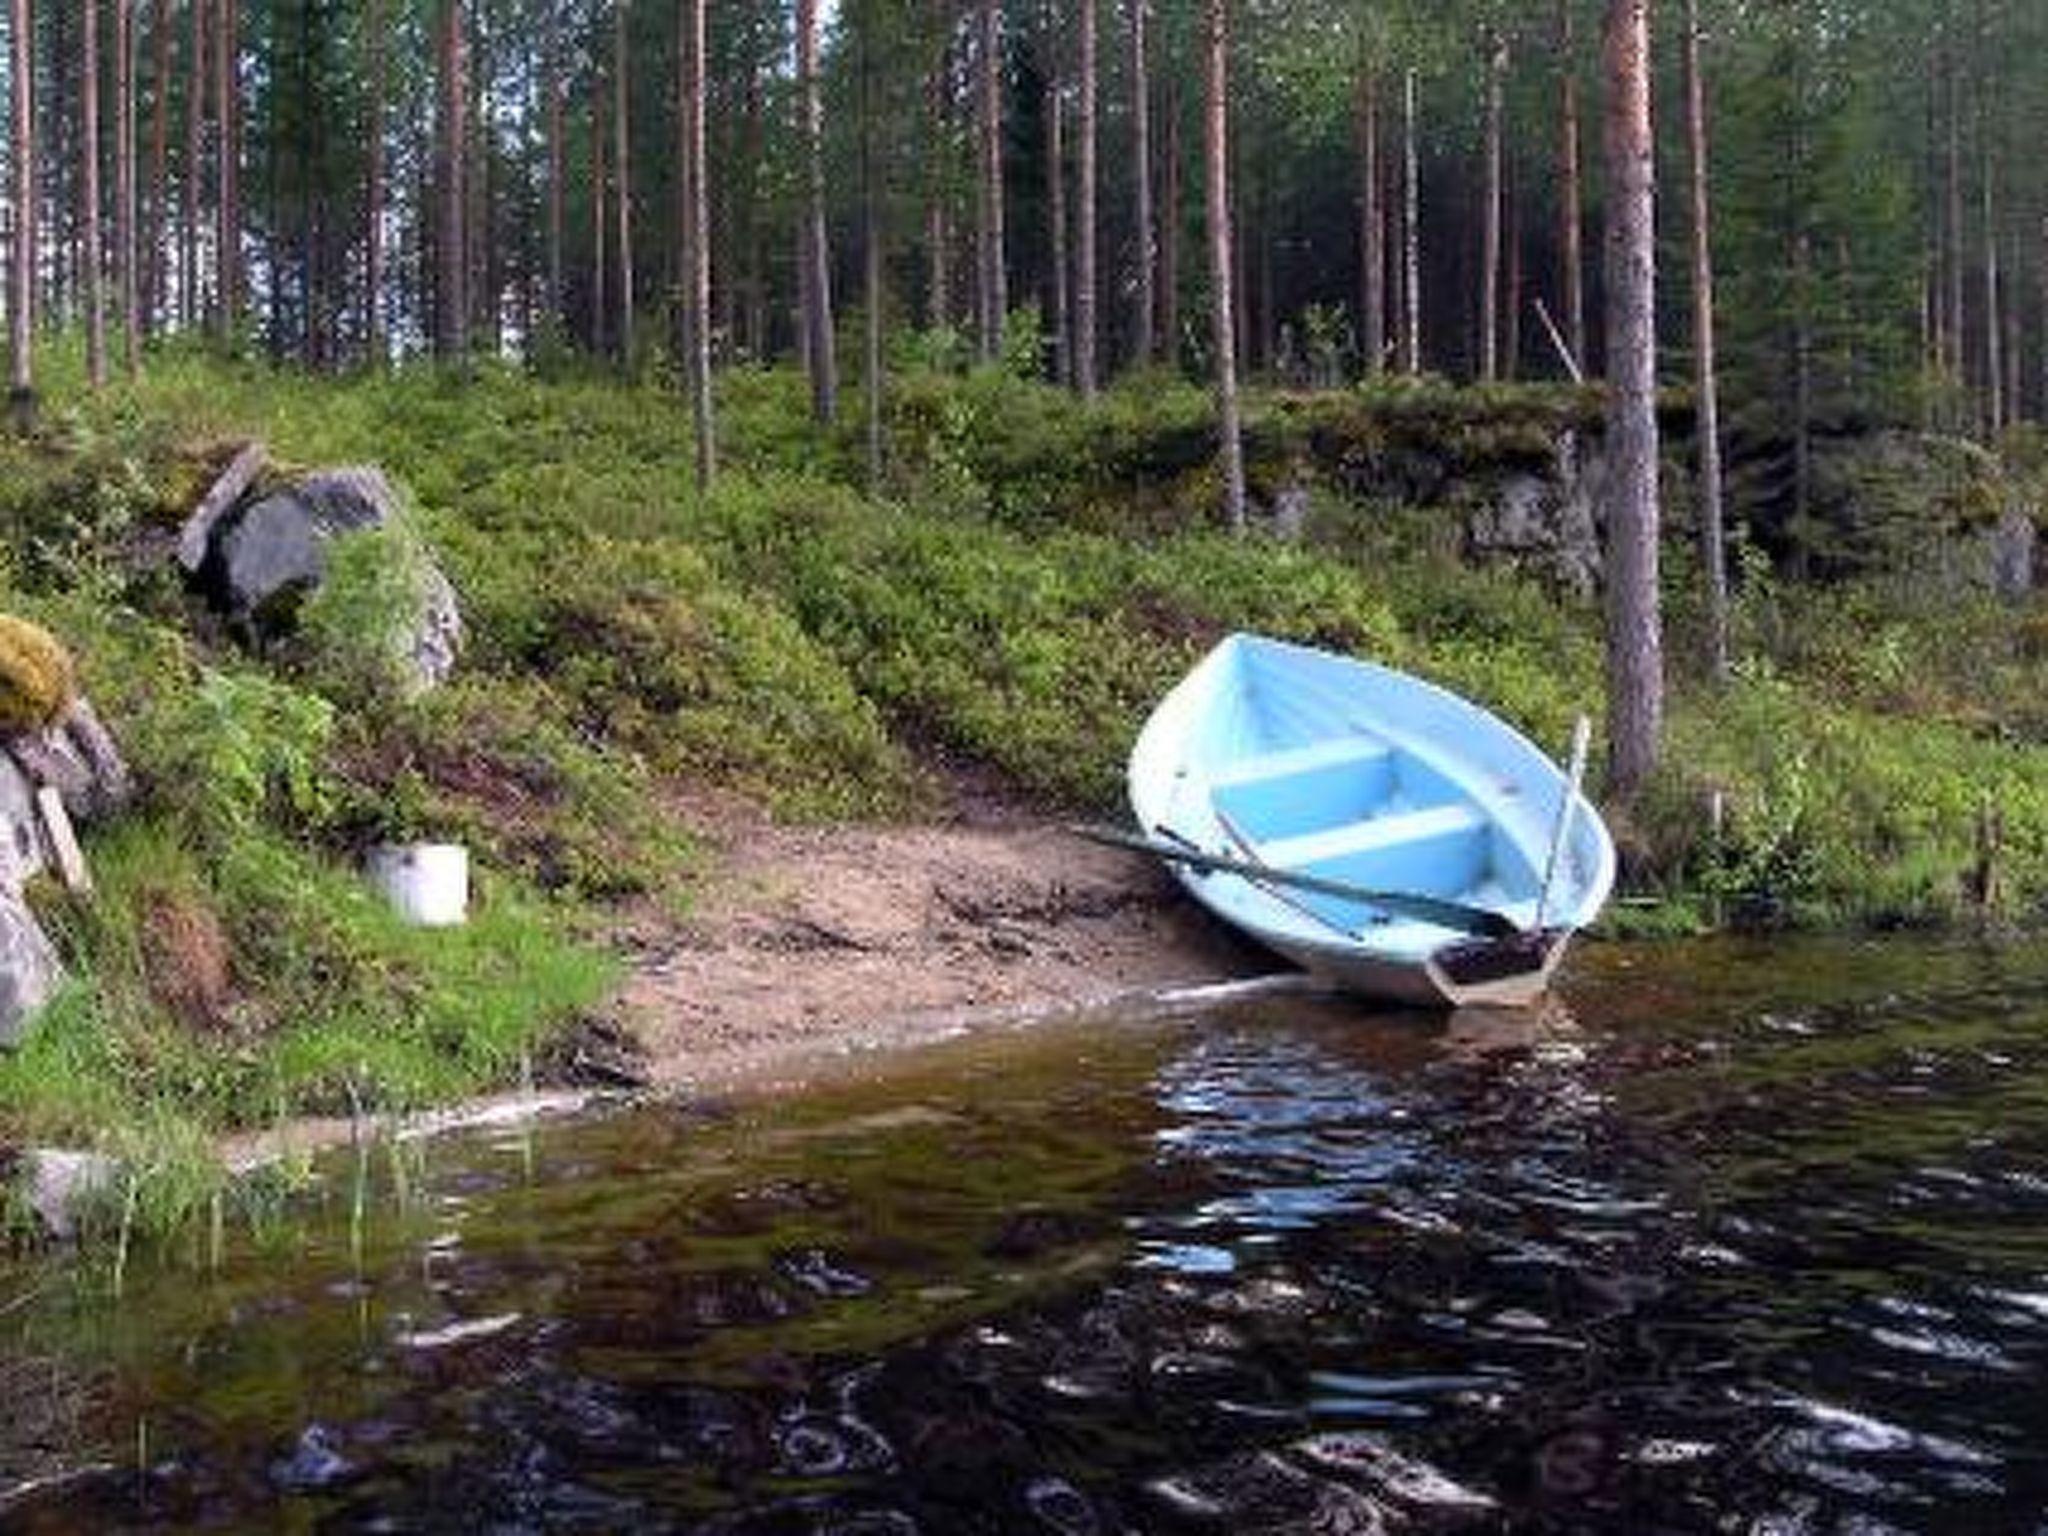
(1317, 765)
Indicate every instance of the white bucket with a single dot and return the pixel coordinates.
(427, 883)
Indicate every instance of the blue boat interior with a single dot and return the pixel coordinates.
(1359, 808)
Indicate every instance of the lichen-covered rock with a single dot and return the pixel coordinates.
(37, 679)
(29, 969)
(78, 757)
(1543, 522)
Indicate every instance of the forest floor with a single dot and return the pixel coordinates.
(808, 942)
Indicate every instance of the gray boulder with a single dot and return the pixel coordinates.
(79, 758)
(29, 970)
(267, 557)
(60, 1185)
(1543, 522)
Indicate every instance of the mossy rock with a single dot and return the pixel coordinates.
(37, 678)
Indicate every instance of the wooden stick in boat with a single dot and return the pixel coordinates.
(1582, 739)
(1477, 921)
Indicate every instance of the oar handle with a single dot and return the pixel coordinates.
(1582, 741)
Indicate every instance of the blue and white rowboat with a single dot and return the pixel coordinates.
(1274, 757)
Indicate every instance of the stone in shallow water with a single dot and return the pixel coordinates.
(316, 1462)
(29, 969)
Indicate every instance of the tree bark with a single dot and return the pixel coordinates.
(451, 261)
(127, 273)
(1372, 228)
(190, 301)
(1169, 228)
(622, 182)
(1635, 679)
(89, 195)
(1957, 337)
(698, 246)
(1056, 220)
(1571, 196)
(1490, 222)
(820, 350)
(375, 341)
(1411, 233)
(557, 215)
(155, 265)
(871, 254)
(1086, 281)
(228, 173)
(21, 399)
(1994, 361)
(992, 291)
(1145, 337)
(1713, 547)
(1216, 146)
(600, 211)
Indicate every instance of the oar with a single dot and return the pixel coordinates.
(1582, 738)
(1477, 921)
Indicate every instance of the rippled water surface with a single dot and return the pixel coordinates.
(1750, 1240)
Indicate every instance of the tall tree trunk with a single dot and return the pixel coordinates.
(1372, 226)
(871, 254)
(753, 136)
(557, 214)
(992, 283)
(155, 264)
(1145, 339)
(1957, 338)
(1490, 243)
(1635, 674)
(1169, 228)
(1216, 154)
(1087, 285)
(89, 195)
(622, 181)
(1570, 195)
(697, 291)
(21, 398)
(1056, 220)
(938, 97)
(228, 153)
(451, 260)
(190, 210)
(1411, 232)
(126, 269)
(1994, 362)
(1713, 547)
(600, 213)
(1802, 402)
(1511, 307)
(375, 338)
(820, 350)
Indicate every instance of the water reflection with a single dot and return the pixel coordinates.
(1736, 1255)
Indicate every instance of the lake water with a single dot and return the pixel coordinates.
(1744, 1239)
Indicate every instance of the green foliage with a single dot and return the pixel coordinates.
(356, 627)
(237, 749)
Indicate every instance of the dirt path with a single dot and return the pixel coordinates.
(810, 940)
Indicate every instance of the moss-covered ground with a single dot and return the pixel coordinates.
(1030, 574)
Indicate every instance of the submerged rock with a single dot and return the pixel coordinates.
(59, 1185)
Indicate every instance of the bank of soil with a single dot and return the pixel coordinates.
(812, 941)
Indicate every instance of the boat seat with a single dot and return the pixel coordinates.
(1339, 751)
(1370, 836)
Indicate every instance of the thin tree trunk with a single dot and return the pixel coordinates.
(451, 260)
(89, 118)
(1216, 58)
(622, 181)
(871, 255)
(1802, 403)
(1570, 197)
(1169, 228)
(125, 264)
(698, 246)
(993, 283)
(1056, 219)
(600, 214)
(375, 340)
(155, 267)
(190, 300)
(1145, 339)
(1635, 681)
(938, 147)
(1490, 242)
(1957, 337)
(1086, 282)
(227, 148)
(1372, 258)
(1994, 362)
(557, 215)
(21, 400)
(1511, 307)
(1713, 550)
(1411, 233)
(820, 348)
